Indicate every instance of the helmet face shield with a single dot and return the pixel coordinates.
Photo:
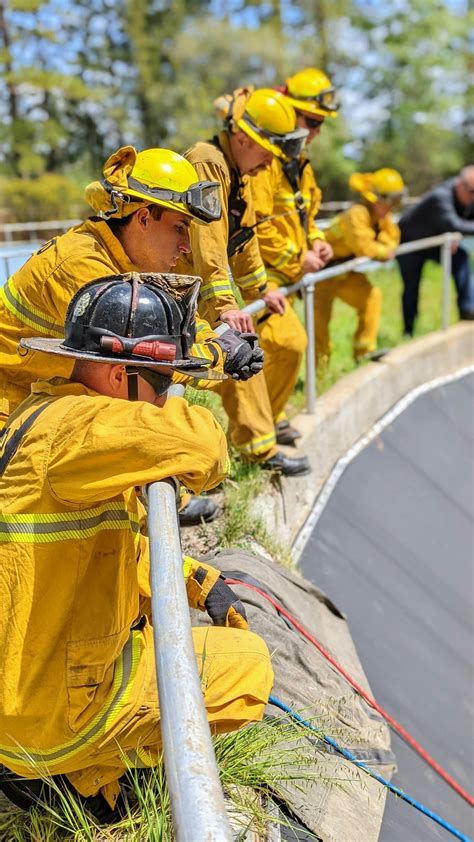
(204, 200)
(289, 145)
(392, 198)
(293, 143)
(326, 100)
(201, 199)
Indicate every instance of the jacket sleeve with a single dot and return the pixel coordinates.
(199, 578)
(277, 250)
(120, 444)
(443, 212)
(389, 233)
(361, 237)
(247, 267)
(310, 189)
(209, 251)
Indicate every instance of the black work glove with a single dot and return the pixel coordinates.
(223, 606)
(244, 357)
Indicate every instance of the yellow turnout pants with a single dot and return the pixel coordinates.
(283, 339)
(253, 406)
(236, 680)
(251, 427)
(354, 289)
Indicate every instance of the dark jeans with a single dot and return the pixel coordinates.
(411, 266)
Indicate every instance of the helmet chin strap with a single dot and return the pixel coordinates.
(132, 382)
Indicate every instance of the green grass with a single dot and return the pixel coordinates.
(343, 323)
(260, 759)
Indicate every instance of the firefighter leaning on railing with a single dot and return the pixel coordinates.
(78, 695)
(257, 126)
(366, 229)
(287, 199)
(144, 206)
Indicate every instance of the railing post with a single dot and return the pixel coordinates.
(197, 801)
(310, 350)
(446, 260)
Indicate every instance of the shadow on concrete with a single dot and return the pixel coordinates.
(394, 549)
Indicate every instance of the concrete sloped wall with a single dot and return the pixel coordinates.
(349, 409)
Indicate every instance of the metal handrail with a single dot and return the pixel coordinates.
(197, 801)
(359, 264)
(9, 228)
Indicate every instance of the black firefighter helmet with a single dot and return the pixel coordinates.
(146, 321)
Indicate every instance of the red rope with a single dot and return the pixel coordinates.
(400, 730)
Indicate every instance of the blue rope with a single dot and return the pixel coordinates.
(347, 754)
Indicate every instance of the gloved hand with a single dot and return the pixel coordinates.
(244, 357)
(224, 608)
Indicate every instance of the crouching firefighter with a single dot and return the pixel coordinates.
(366, 229)
(143, 207)
(257, 125)
(78, 696)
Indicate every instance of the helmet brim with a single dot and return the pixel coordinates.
(192, 366)
(262, 141)
(310, 107)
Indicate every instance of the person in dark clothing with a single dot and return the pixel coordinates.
(447, 207)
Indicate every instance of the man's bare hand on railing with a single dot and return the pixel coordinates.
(275, 301)
(312, 262)
(237, 320)
(323, 250)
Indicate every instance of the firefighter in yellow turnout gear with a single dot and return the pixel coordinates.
(366, 229)
(78, 694)
(287, 199)
(257, 126)
(148, 201)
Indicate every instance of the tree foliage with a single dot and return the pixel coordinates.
(80, 79)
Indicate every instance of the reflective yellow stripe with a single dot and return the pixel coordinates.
(258, 445)
(257, 278)
(205, 352)
(286, 256)
(124, 675)
(26, 314)
(214, 289)
(276, 277)
(62, 526)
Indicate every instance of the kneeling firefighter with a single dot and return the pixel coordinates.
(366, 229)
(144, 205)
(287, 199)
(258, 125)
(78, 696)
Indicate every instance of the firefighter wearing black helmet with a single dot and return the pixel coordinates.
(73, 552)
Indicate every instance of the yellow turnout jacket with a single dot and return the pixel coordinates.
(35, 299)
(209, 242)
(283, 241)
(355, 234)
(71, 663)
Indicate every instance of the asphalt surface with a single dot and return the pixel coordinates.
(394, 548)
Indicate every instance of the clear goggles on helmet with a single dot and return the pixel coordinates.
(202, 199)
(291, 143)
(325, 99)
(393, 198)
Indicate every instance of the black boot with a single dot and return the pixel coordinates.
(199, 510)
(287, 466)
(285, 433)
